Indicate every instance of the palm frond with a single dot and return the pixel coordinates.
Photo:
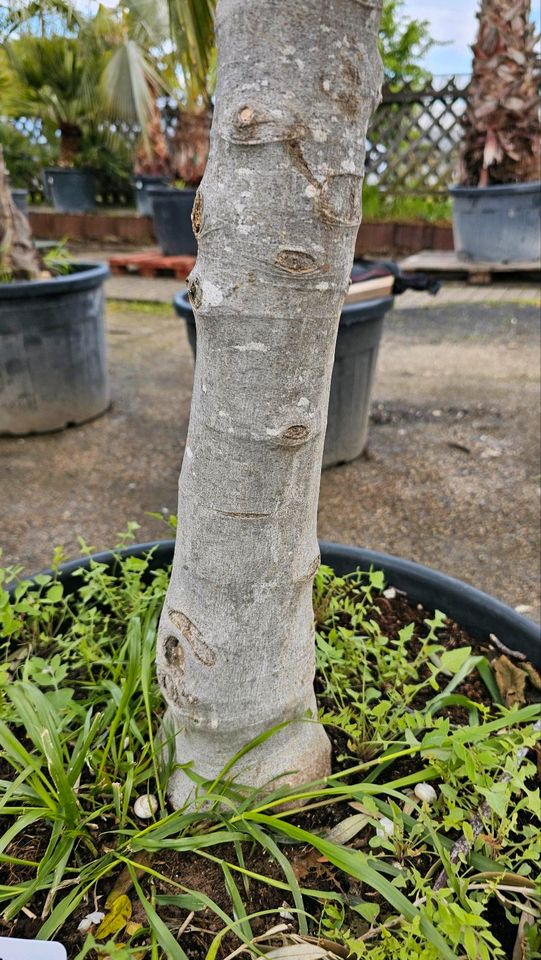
(192, 29)
(128, 82)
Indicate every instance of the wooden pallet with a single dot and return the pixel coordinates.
(151, 263)
(447, 263)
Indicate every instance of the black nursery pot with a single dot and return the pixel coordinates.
(172, 213)
(20, 199)
(70, 190)
(477, 613)
(53, 364)
(143, 199)
(355, 361)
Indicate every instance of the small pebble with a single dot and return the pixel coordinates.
(145, 806)
(523, 608)
(385, 828)
(285, 912)
(91, 920)
(425, 793)
(390, 593)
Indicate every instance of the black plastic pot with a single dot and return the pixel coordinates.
(498, 223)
(141, 185)
(20, 199)
(355, 360)
(70, 190)
(476, 612)
(172, 213)
(53, 365)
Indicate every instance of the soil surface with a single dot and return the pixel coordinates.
(450, 478)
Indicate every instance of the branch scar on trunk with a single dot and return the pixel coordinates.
(193, 637)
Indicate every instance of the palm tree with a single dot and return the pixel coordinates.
(55, 79)
(124, 55)
(89, 70)
(501, 124)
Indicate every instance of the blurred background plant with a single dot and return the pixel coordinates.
(501, 124)
(25, 156)
(130, 89)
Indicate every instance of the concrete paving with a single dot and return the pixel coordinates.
(450, 478)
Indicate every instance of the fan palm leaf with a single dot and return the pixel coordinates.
(128, 84)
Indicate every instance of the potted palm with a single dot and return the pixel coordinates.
(152, 165)
(172, 206)
(138, 71)
(55, 78)
(53, 367)
(87, 75)
(497, 204)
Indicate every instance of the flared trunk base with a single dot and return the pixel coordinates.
(303, 746)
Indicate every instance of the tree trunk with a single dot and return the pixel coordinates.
(70, 144)
(276, 217)
(501, 123)
(19, 259)
(190, 146)
(152, 157)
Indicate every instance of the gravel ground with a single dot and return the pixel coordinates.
(450, 477)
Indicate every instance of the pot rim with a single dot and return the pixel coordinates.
(85, 276)
(476, 612)
(88, 171)
(496, 189)
(167, 191)
(156, 178)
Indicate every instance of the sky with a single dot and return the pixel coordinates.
(456, 24)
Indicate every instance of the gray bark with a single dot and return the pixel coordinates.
(19, 259)
(276, 216)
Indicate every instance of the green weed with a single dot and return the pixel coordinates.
(349, 864)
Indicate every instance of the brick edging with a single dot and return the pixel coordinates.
(376, 237)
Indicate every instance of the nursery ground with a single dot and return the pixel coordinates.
(450, 479)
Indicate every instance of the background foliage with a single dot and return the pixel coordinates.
(60, 66)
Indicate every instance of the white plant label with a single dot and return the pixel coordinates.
(13, 949)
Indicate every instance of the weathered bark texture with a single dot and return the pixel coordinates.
(501, 125)
(276, 217)
(19, 259)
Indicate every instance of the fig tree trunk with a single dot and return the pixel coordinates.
(276, 218)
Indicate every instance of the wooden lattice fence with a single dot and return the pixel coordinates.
(412, 144)
(414, 138)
